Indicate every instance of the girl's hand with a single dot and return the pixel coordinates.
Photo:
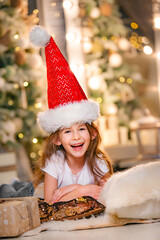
(91, 190)
(60, 192)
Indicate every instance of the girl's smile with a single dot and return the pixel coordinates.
(77, 147)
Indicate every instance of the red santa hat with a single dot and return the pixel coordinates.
(67, 102)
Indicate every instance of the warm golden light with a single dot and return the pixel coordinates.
(67, 4)
(133, 39)
(20, 135)
(16, 36)
(115, 60)
(25, 84)
(134, 25)
(36, 20)
(113, 38)
(40, 152)
(111, 109)
(145, 40)
(129, 80)
(35, 11)
(87, 46)
(10, 102)
(38, 105)
(35, 140)
(157, 22)
(32, 155)
(140, 39)
(122, 79)
(147, 50)
(94, 83)
(99, 100)
(71, 36)
(16, 86)
(17, 49)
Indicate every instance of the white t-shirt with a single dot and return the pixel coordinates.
(58, 168)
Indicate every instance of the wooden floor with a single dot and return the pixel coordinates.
(128, 232)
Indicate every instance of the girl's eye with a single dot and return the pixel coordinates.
(82, 129)
(67, 131)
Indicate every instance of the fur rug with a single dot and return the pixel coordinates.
(84, 224)
(136, 190)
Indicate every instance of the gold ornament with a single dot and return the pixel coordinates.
(20, 58)
(106, 9)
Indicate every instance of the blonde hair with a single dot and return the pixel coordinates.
(91, 154)
(94, 152)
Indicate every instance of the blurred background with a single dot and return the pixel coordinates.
(112, 47)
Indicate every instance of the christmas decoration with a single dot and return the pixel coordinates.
(21, 74)
(106, 46)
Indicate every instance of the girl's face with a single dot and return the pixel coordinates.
(75, 140)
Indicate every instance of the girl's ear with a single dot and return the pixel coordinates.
(57, 142)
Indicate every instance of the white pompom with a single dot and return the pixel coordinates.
(39, 36)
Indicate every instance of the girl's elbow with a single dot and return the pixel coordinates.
(47, 198)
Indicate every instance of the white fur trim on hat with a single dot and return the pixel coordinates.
(134, 190)
(39, 36)
(66, 115)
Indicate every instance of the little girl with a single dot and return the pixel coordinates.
(72, 163)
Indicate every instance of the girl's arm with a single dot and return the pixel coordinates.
(87, 190)
(61, 192)
(50, 186)
(83, 190)
(52, 193)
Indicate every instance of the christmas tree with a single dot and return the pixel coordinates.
(22, 72)
(105, 42)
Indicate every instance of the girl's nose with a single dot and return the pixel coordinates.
(76, 135)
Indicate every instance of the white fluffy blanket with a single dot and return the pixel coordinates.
(135, 189)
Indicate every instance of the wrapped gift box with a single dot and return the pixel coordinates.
(18, 215)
